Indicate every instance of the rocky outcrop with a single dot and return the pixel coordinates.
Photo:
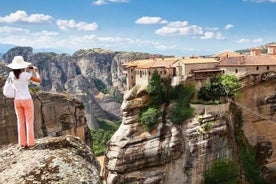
(169, 154)
(26, 52)
(54, 160)
(257, 100)
(76, 74)
(181, 154)
(56, 114)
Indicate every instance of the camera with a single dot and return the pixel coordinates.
(31, 67)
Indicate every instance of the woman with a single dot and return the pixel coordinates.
(23, 103)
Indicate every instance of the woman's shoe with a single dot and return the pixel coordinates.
(32, 147)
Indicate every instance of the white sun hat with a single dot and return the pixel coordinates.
(18, 63)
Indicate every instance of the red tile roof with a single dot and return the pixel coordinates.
(260, 60)
(152, 63)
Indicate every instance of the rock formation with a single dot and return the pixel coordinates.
(60, 160)
(257, 100)
(181, 154)
(76, 74)
(170, 154)
(55, 115)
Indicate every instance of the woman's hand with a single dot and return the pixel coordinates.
(35, 69)
(27, 69)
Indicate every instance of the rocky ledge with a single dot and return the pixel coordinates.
(60, 160)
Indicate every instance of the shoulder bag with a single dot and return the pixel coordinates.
(8, 89)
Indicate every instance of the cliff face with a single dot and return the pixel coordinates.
(180, 154)
(55, 115)
(170, 154)
(257, 101)
(61, 160)
(76, 74)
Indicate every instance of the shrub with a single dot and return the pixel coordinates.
(219, 86)
(100, 85)
(102, 135)
(149, 118)
(222, 172)
(250, 166)
(180, 113)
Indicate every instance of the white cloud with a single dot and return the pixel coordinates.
(228, 26)
(180, 28)
(219, 36)
(99, 2)
(178, 24)
(150, 20)
(243, 40)
(12, 30)
(102, 2)
(246, 40)
(207, 35)
(47, 33)
(212, 28)
(261, 1)
(258, 40)
(22, 16)
(81, 26)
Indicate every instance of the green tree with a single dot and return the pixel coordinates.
(230, 83)
(222, 172)
(102, 135)
(181, 109)
(219, 86)
(155, 90)
(149, 118)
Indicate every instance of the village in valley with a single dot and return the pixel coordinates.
(196, 69)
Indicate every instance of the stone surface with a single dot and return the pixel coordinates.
(257, 101)
(59, 160)
(56, 114)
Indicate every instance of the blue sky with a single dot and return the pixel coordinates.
(169, 27)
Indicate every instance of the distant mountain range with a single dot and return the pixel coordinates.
(5, 47)
(262, 47)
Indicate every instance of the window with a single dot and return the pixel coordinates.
(149, 73)
(257, 68)
(267, 67)
(174, 72)
(165, 72)
(236, 71)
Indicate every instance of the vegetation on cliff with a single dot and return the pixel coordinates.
(162, 93)
(102, 135)
(222, 171)
(247, 153)
(219, 86)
